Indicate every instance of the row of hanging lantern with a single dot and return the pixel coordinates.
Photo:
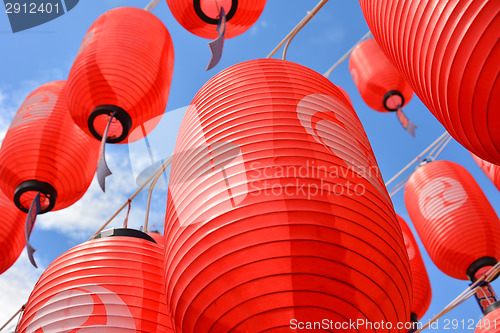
(448, 52)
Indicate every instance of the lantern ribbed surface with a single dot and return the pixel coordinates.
(422, 292)
(453, 217)
(379, 83)
(490, 323)
(276, 209)
(200, 17)
(12, 238)
(112, 284)
(125, 64)
(449, 52)
(45, 151)
(491, 170)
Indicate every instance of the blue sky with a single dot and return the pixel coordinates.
(46, 53)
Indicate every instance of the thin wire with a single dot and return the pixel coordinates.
(442, 147)
(415, 159)
(13, 316)
(152, 5)
(399, 186)
(466, 294)
(301, 24)
(273, 52)
(165, 164)
(345, 56)
(150, 194)
(429, 156)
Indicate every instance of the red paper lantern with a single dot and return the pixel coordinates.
(44, 151)
(449, 52)
(380, 84)
(276, 212)
(491, 321)
(200, 17)
(124, 65)
(113, 284)
(422, 292)
(12, 238)
(454, 219)
(491, 170)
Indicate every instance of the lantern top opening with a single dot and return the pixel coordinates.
(209, 10)
(27, 190)
(124, 232)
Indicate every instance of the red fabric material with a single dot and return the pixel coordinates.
(453, 217)
(275, 230)
(449, 52)
(12, 238)
(374, 75)
(126, 59)
(491, 170)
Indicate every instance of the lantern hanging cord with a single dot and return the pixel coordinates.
(441, 148)
(466, 294)
(158, 171)
(152, 5)
(347, 54)
(296, 29)
(21, 309)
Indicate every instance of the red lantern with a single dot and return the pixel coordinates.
(491, 170)
(422, 292)
(44, 151)
(114, 283)
(124, 65)
(200, 17)
(12, 238)
(378, 81)
(448, 52)
(491, 321)
(454, 219)
(277, 213)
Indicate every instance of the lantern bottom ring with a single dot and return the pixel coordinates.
(388, 95)
(125, 232)
(491, 308)
(120, 114)
(209, 20)
(478, 264)
(48, 191)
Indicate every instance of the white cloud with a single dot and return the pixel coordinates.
(16, 285)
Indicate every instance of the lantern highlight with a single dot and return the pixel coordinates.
(491, 170)
(265, 218)
(379, 83)
(11, 233)
(456, 223)
(200, 17)
(124, 67)
(44, 151)
(112, 283)
(448, 52)
(422, 292)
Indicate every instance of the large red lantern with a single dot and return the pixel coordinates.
(113, 283)
(124, 66)
(422, 292)
(277, 214)
(12, 238)
(491, 170)
(456, 223)
(44, 151)
(491, 321)
(448, 51)
(380, 84)
(200, 17)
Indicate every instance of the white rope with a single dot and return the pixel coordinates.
(299, 26)
(345, 56)
(154, 175)
(152, 5)
(442, 147)
(163, 167)
(302, 23)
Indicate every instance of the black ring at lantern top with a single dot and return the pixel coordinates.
(491, 308)
(125, 232)
(478, 264)
(121, 115)
(209, 20)
(35, 186)
(388, 95)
